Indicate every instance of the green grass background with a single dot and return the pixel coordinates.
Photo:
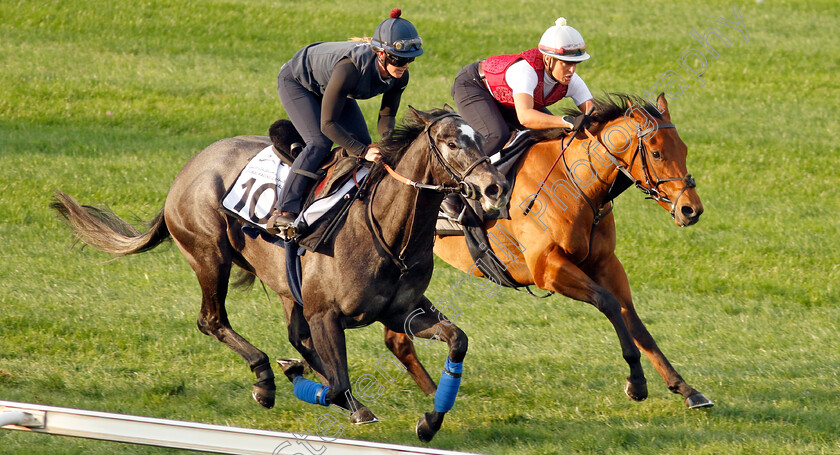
(107, 100)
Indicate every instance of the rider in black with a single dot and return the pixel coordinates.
(319, 87)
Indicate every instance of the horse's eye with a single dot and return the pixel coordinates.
(452, 145)
(656, 155)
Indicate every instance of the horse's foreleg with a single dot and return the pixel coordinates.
(554, 272)
(612, 276)
(427, 322)
(213, 277)
(329, 342)
(403, 348)
(300, 337)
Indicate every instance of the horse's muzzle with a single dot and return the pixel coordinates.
(688, 215)
(495, 196)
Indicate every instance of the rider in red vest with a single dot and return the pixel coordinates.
(510, 92)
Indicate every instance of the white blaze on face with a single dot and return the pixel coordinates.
(467, 130)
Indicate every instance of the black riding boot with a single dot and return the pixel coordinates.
(453, 207)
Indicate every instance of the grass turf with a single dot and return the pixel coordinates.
(107, 100)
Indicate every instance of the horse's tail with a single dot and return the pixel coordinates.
(105, 231)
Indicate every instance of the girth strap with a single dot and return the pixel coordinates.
(306, 174)
(483, 257)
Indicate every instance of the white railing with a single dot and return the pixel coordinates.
(185, 435)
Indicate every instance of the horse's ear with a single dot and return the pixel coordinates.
(662, 105)
(424, 117)
(449, 109)
(636, 111)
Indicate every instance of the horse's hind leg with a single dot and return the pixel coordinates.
(212, 266)
(612, 276)
(401, 345)
(426, 322)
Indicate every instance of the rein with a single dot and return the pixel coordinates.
(571, 136)
(420, 186)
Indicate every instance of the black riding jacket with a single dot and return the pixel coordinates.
(336, 71)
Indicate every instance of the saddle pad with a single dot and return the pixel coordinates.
(321, 206)
(253, 195)
(511, 151)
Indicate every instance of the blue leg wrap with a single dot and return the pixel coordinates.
(450, 382)
(310, 391)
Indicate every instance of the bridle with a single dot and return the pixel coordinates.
(650, 186)
(462, 187)
(651, 179)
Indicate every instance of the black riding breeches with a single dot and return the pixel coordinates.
(304, 110)
(477, 106)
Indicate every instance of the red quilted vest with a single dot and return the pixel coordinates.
(494, 75)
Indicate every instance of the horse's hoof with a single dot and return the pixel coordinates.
(426, 430)
(284, 363)
(292, 368)
(698, 400)
(424, 433)
(362, 416)
(636, 391)
(264, 394)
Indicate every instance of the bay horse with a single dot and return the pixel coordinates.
(562, 235)
(379, 269)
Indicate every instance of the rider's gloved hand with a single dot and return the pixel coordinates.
(372, 154)
(581, 122)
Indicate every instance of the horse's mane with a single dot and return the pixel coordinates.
(394, 145)
(611, 106)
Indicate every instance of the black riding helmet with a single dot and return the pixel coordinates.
(397, 36)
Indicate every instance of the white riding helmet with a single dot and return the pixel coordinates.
(563, 42)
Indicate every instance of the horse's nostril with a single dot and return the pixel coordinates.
(492, 190)
(688, 211)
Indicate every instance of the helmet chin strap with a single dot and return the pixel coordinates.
(384, 65)
(550, 68)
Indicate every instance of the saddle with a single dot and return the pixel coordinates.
(334, 172)
(339, 169)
